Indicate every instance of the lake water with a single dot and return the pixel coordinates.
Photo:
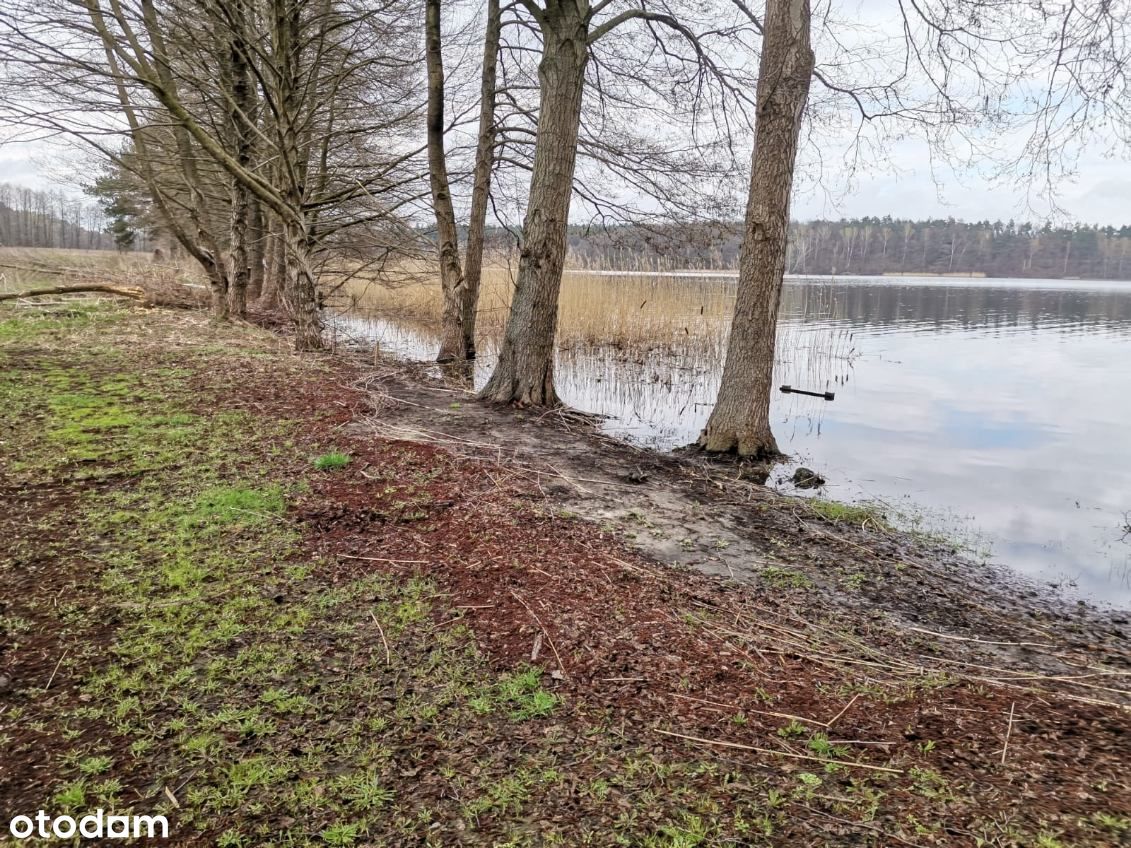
(993, 410)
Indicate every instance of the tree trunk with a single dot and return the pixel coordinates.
(299, 290)
(525, 371)
(275, 265)
(198, 208)
(239, 269)
(300, 294)
(241, 116)
(740, 421)
(257, 251)
(481, 186)
(447, 235)
(218, 292)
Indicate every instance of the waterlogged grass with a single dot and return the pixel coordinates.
(858, 514)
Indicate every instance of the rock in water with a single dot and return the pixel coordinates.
(805, 478)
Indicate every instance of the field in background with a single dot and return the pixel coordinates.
(34, 267)
(678, 324)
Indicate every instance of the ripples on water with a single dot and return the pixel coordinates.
(996, 409)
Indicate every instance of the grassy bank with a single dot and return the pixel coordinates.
(222, 603)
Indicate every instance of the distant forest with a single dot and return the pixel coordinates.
(874, 246)
(32, 218)
(859, 246)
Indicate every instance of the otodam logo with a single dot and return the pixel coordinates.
(96, 825)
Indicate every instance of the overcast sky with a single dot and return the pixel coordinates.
(1100, 194)
(902, 185)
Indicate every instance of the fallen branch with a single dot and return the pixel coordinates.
(136, 294)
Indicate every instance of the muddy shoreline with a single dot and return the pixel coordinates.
(690, 512)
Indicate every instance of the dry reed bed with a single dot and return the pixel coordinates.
(643, 313)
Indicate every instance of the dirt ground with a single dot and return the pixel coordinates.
(687, 511)
(331, 601)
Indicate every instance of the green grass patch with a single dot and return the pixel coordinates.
(519, 695)
(332, 461)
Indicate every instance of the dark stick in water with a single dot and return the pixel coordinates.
(790, 390)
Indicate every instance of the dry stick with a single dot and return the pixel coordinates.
(569, 480)
(790, 754)
(538, 621)
(976, 640)
(384, 641)
(842, 712)
(1009, 676)
(384, 559)
(736, 708)
(56, 671)
(1008, 730)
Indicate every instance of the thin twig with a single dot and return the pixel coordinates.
(1008, 731)
(790, 754)
(538, 621)
(384, 559)
(53, 673)
(842, 712)
(384, 641)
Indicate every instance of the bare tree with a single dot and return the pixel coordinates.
(740, 420)
(447, 234)
(968, 59)
(323, 98)
(481, 177)
(75, 224)
(524, 373)
(665, 62)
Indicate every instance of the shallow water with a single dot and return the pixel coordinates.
(994, 410)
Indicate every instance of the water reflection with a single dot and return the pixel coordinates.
(997, 407)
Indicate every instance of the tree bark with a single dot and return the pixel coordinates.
(447, 235)
(201, 246)
(241, 108)
(275, 264)
(481, 186)
(239, 268)
(299, 291)
(257, 251)
(300, 294)
(740, 421)
(525, 370)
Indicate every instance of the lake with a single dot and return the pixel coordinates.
(993, 411)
